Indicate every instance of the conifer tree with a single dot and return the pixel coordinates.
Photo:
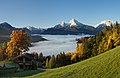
(58, 61)
(116, 23)
(41, 57)
(52, 62)
(47, 63)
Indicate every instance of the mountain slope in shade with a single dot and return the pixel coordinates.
(3, 31)
(7, 28)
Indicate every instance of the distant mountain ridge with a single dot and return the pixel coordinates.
(6, 29)
(73, 27)
(35, 30)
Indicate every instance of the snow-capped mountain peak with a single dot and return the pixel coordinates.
(30, 28)
(105, 23)
(73, 22)
(62, 23)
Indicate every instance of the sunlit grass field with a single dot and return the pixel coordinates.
(106, 65)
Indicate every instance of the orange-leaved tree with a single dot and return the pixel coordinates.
(3, 55)
(19, 43)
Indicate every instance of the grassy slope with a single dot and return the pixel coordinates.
(106, 65)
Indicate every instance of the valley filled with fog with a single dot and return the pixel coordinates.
(56, 44)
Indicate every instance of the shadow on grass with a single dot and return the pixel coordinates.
(11, 72)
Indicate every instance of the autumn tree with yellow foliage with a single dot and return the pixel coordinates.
(3, 54)
(19, 43)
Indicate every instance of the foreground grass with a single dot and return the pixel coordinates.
(8, 64)
(106, 65)
(11, 72)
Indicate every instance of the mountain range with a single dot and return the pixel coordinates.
(73, 27)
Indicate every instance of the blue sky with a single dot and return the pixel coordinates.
(47, 13)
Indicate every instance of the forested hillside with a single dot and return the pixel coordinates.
(107, 39)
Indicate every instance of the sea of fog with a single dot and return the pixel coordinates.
(56, 44)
